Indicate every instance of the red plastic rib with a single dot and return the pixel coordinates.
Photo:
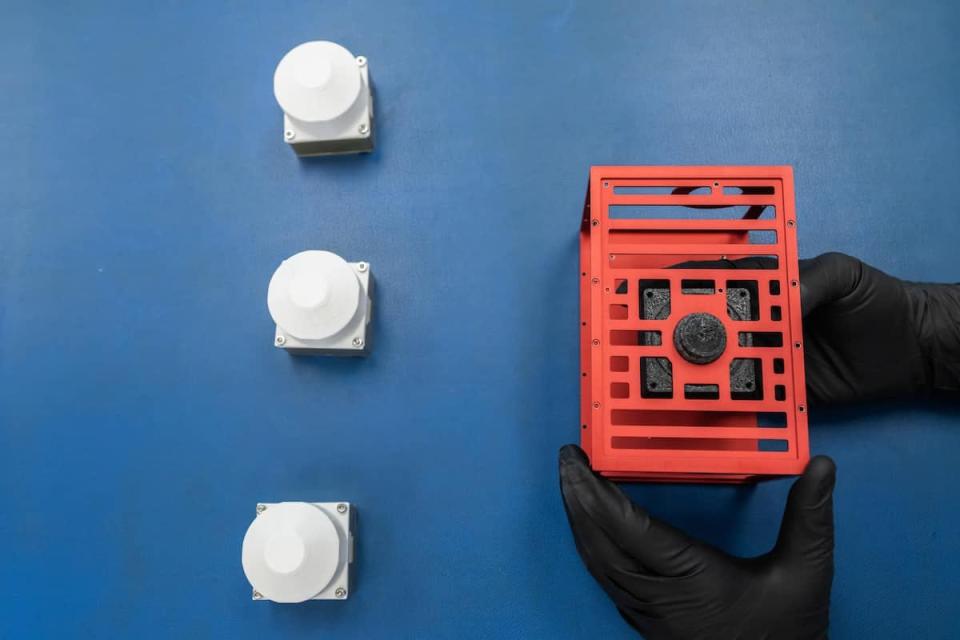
(648, 411)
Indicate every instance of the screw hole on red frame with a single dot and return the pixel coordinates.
(584, 374)
(583, 426)
(583, 273)
(797, 345)
(794, 283)
(801, 408)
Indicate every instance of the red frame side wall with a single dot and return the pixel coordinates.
(708, 238)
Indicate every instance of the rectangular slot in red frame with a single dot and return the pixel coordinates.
(690, 324)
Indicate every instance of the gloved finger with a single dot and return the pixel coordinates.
(827, 278)
(624, 579)
(655, 545)
(593, 544)
(807, 527)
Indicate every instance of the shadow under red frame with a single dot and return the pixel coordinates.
(647, 411)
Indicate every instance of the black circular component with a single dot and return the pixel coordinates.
(700, 338)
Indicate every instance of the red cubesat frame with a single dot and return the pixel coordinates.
(691, 372)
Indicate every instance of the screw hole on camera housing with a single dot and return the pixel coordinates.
(656, 378)
(743, 300)
(746, 379)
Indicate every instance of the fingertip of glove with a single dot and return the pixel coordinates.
(574, 469)
(821, 472)
(827, 278)
(571, 453)
(573, 462)
(822, 466)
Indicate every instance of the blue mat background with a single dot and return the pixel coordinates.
(146, 197)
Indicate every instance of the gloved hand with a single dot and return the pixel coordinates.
(868, 335)
(871, 336)
(670, 586)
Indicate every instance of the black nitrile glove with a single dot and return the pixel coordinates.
(868, 335)
(670, 586)
(871, 336)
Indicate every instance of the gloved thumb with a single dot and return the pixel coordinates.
(826, 279)
(807, 527)
(607, 523)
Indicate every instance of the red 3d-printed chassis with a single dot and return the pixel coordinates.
(649, 412)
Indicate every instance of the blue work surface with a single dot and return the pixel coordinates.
(146, 196)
